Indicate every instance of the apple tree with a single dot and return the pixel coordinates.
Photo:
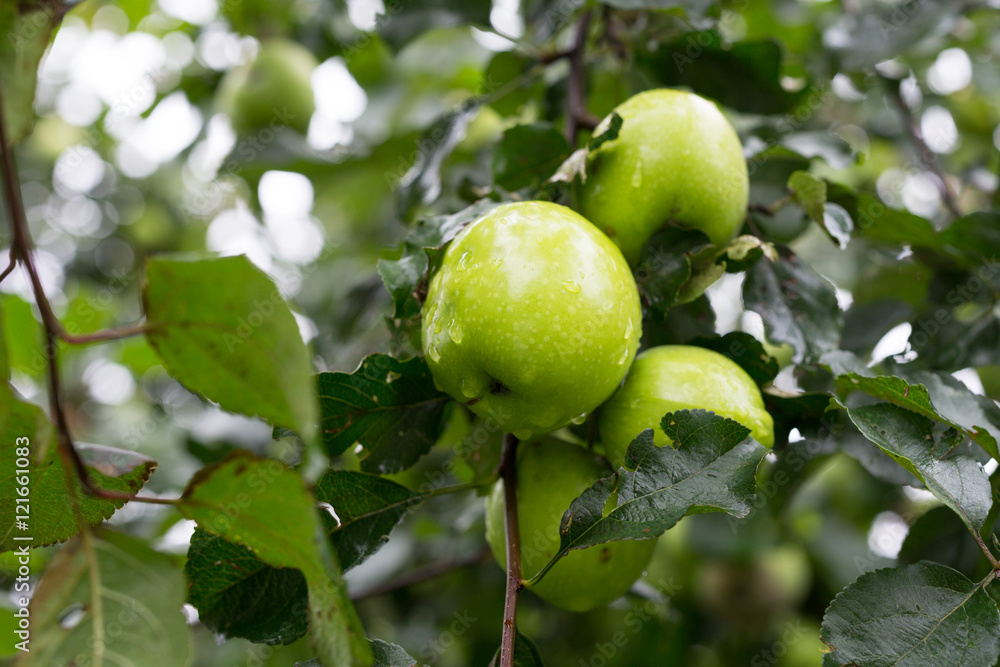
(517, 332)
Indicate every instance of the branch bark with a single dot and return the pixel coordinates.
(508, 472)
(577, 115)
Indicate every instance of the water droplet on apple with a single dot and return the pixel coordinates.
(539, 239)
(634, 404)
(628, 329)
(497, 263)
(579, 419)
(522, 434)
(637, 175)
(433, 353)
(455, 331)
(622, 359)
(470, 388)
(571, 287)
(463, 262)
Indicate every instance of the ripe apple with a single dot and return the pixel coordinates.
(675, 159)
(271, 92)
(532, 319)
(680, 377)
(550, 475)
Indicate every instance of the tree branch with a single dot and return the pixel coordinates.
(422, 574)
(577, 115)
(508, 472)
(926, 155)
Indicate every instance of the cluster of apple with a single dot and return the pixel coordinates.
(533, 321)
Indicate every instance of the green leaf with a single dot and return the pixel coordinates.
(504, 69)
(527, 155)
(798, 306)
(878, 223)
(957, 481)
(609, 134)
(526, 653)
(422, 183)
(923, 614)
(745, 251)
(26, 28)
(940, 536)
(746, 351)
(389, 406)
(141, 593)
(745, 76)
(935, 396)
(224, 331)
(680, 325)
(710, 468)
(239, 595)
(879, 32)
(50, 520)
(390, 655)
(976, 240)
(809, 192)
(264, 505)
(665, 265)
(368, 507)
(23, 336)
(404, 20)
(838, 224)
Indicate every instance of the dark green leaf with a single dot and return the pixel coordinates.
(389, 406)
(922, 614)
(957, 481)
(798, 306)
(809, 192)
(527, 155)
(390, 655)
(876, 222)
(680, 325)
(368, 507)
(609, 134)
(838, 224)
(665, 265)
(946, 343)
(26, 28)
(878, 32)
(422, 183)
(940, 536)
(745, 76)
(24, 427)
(865, 324)
(526, 653)
(264, 505)
(976, 240)
(141, 594)
(238, 595)
(746, 351)
(404, 20)
(224, 331)
(504, 69)
(710, 468)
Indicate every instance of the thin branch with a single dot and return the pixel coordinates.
(102, 336)
(926, 155)
(508, 472)
(577, 115)
(10, 266)
(422, 574)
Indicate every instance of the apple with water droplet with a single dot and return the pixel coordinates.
(680, 377)
(550, 475)
(676, 159)
(532, 318)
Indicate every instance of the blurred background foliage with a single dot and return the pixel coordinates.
(131, 155)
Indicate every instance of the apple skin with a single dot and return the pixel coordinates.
(676, 159)
(532, 319)
(680, 377)
(550, 475)
(271, 92)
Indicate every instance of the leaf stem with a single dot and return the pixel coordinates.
(508, 472)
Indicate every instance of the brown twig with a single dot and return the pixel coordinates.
(10, 266)
(422, 574)
(508, 472)
(577, 115)
(22, 250)
(926, 155)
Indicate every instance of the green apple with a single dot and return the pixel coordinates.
(532, 319)
(273, 91)
(675, 159)
(550, 475)
(680, 377)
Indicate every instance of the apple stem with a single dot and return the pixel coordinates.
(508, 473)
